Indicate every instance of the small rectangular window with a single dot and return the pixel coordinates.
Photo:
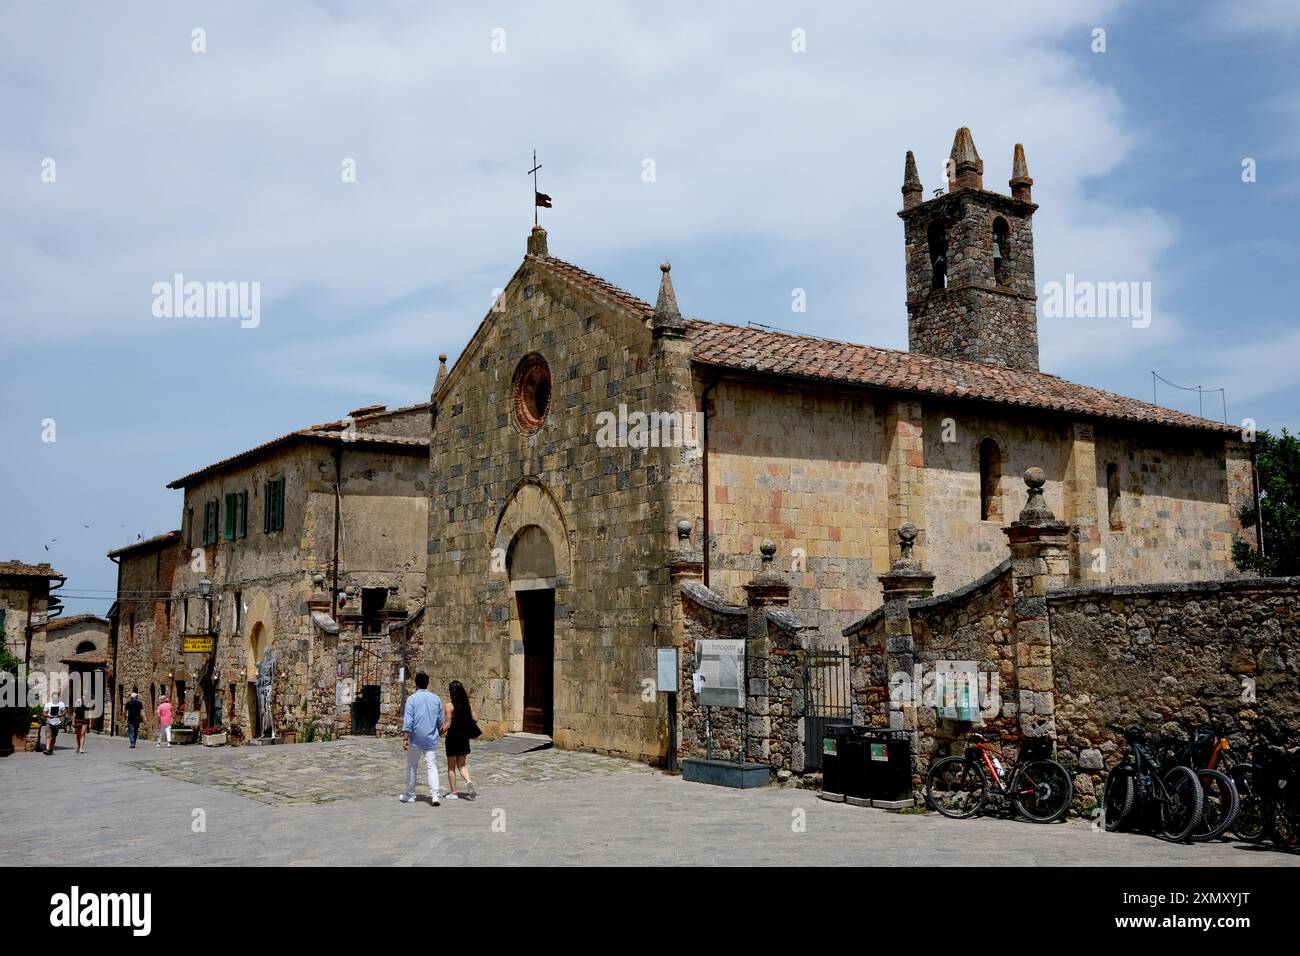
(273, 507)
(1116, 518)
(232, 516)
(243, 514)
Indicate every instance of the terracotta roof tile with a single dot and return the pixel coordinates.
(768, 351)
(158, 539)
(59, 623)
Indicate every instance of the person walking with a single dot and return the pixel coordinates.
(134, 717)
(422, 722)
(462, 727)
(81, 723)
(54, 712)
(165, 721)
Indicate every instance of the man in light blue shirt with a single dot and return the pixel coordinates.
(423, 721)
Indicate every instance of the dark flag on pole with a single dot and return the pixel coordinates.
(543, 200)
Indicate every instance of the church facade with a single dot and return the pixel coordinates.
(558, 545)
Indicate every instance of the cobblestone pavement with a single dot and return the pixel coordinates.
(119, 807)
(355, 767)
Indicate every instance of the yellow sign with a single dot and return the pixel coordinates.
(198, 645)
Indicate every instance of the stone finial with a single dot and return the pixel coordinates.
(906, 539)
(912, 190)
(684, 529)
(537, 242)
(442, 372)
(1021, 185)
(1035, 510)
(769, 586)
(667, 318)
(967, 169)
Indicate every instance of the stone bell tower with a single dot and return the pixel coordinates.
(970, 263)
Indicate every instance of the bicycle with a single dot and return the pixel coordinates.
(1270, 802)
(1039, 788)
(1201, 753)
(1139, 790)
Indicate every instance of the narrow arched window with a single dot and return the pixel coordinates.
(1001, 250)
(1112, 497)
(990, 481)
(938, 243)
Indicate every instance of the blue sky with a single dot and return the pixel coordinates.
(774, 170)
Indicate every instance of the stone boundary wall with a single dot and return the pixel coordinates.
(1173, 658)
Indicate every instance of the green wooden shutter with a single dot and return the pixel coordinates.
(279, 505)
(243, 514)
(232, 516)
(266, 508)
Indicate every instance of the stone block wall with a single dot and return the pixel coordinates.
(1173, 658)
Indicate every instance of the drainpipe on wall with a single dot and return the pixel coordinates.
(113, 634)
(704, 455)
(338, 502)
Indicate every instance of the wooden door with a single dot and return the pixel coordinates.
(537, 617)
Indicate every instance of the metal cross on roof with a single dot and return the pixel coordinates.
(540, 200)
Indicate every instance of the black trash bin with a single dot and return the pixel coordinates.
(889, 753)
(833, 752)
(856, 765)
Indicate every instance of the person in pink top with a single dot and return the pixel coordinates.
(165, 721)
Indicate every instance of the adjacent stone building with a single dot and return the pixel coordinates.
(591, 454)
(285, 601)
(28, 599)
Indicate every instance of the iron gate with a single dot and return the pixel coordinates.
(369, 670)
(827, 699)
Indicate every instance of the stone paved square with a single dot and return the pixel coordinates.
(335, 803)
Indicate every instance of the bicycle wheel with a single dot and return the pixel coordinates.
(1285, 830)
(956, 787)
(1117, 798)
(1181, 804)
(1220, 806)
(1254, 820)
(1042, 791)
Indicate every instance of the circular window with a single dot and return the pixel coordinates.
(532, 392)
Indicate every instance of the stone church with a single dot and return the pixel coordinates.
(557, 556)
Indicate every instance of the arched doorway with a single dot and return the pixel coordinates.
(258, 649)
(530, 563)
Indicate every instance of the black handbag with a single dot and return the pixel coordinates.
(475, 731)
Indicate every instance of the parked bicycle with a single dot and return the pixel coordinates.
(1269, 787)
(1038, 787)
(1141, 793)
(1202, 754)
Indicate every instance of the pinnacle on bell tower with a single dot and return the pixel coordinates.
(970, 263)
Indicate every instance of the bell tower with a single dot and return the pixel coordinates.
(970, 263)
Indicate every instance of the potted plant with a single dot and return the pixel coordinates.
(213, 736)
(235, 735)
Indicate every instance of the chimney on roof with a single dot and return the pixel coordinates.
(537, 242)
(667, 318)
(442, 372)
(965, 168)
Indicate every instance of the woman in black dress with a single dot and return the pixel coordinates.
(461, 726)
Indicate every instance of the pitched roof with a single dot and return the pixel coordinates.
(89, 658)
(156, 541)
(60, 623)
(329, 432)
(21, 570)
(772, 352)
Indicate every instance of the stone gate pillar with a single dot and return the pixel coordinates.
(902, 584)
(1040, 560)
(769, 588)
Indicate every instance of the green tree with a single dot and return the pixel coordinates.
(1277, 465)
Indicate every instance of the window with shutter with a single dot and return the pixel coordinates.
(279, 505)
(243, 514)
(266, 508)
(232, 516)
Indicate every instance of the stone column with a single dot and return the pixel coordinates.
(904, 583)
(769, 588)
(1040, 560)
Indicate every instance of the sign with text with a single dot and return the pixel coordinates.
(198, 645)
(721, 666)
(667, 659)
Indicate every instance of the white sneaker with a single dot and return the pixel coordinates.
(434, 800)
(452, 796)
(406, 798)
